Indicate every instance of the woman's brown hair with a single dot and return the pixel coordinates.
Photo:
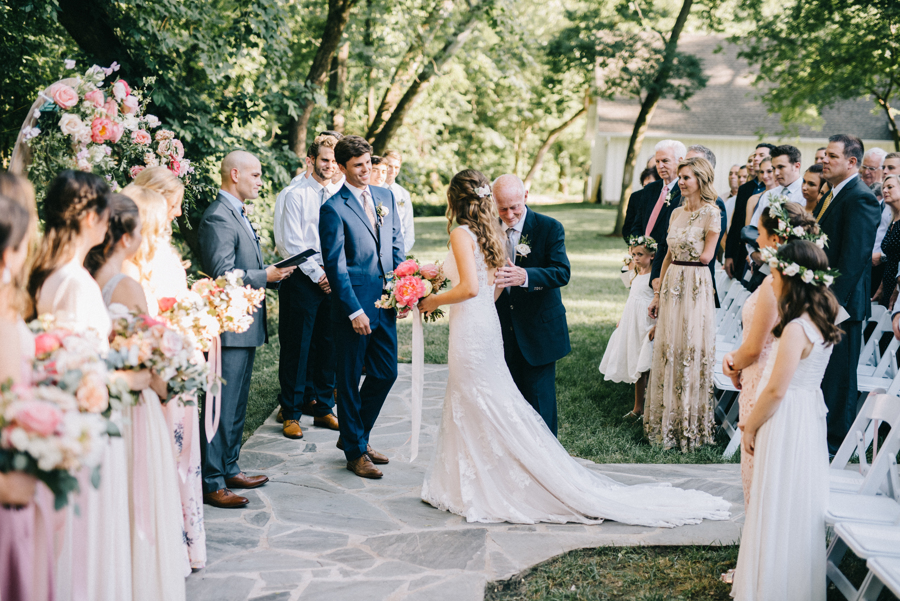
(467, 207)
(124, 218)
(797, 215)
(798, 297)
(71, 196)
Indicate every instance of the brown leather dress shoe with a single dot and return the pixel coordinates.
(291, 429)
(225, 499)
(326, 421)
(364, 468)
(280, 417)
(308, 408)
(376, 457)
(242, 480)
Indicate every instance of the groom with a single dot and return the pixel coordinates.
(532, 315)
(359, 228)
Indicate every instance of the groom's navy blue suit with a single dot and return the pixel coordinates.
(533, 318)
(357, 257)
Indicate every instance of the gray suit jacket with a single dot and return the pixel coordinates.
(226, 244)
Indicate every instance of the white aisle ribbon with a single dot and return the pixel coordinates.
(213, 399)
(418, 381)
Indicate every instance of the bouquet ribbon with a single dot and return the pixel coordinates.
(418, 380)
(142, 509)
(213, 399)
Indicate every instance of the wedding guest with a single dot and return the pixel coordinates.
(734, 182)
(735, 249)
(26, 506)
(878, 265)
(820, 155)
(890, 244)
(892, 163)
(782, 553)
(306, 367)
(766, 174)
(660, 199)
(698, 150)
(629, 352)
(812, 186)
(760, 312)
(379, 172)
(743, 177)
(159, 557)
(394, 161)
(871, 171)
(227, 242)
(631, 227)
(751, 168)
(679, 406)
(849, 216)
(94, 558)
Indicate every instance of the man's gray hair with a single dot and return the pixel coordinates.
(706, 152)
(674, 145)
(878, 153)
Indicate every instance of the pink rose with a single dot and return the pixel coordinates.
(63, 95)
(100, 129)
(134, 171)
(406, 268)
(121, 90)
(39, 417)
(92, 394)
(115, 132)
(44, 344)
(174, 166)
(96, 98)
(112, 108)
(166, 303)
(430, 271)
(409, 290)
(141, 137)
(130, 105)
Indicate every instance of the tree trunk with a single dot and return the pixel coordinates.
(892, 123)
(648, 106)
(338, 15)
(87, 22)
(551, 138)
(456, 40)
(336, 85)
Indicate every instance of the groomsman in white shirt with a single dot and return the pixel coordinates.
(394, 161)
(306, 369)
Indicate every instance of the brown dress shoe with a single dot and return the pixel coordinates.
(280, 417)
(326, 421)
(242, 480)
(308, 408)
(291, 429)
(364, 468)
(376, 457)
(225, 499)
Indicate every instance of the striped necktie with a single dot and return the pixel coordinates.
(825, 204)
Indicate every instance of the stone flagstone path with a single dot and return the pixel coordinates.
(317, 532)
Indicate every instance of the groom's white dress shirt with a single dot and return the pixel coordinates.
(298, 228)
(516, 238)
(358, 195)
(405, 208)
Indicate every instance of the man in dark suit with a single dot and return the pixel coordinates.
(228, 242)
(632, 226)
(735, 249)
(532, 315)
(849, 216)
(362, 242)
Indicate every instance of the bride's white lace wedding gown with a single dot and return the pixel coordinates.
(496, 460)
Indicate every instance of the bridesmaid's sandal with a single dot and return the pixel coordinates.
(633, 415)
(727, 577)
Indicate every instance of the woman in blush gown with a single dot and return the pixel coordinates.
(159, 557)
(162, 275)
(496, 459)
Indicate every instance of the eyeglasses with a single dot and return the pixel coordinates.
(867, 168)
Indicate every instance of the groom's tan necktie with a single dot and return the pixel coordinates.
(370, 212)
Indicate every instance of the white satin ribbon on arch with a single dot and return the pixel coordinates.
(418, 381)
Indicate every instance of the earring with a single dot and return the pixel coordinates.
(7, 276)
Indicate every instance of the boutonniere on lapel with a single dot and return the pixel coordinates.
(522, 248)
(381, 211)
(669, 196)
(249, 210)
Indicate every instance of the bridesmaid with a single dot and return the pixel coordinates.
(890, 245)
(94, 560)
(760, 313)
(158, 554)
(163, 275)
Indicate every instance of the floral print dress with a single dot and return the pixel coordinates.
(679, 407)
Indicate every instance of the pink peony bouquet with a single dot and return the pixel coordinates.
(229, 301)
(409, 283)
(44, 432)
(96, 122)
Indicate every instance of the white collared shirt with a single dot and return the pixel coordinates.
(405, 209)
(237, 204)
(517, 236)
(298, 228)
(886, 218)
(840, 186)
(792, 191)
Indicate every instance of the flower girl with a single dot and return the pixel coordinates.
(629, 352)
(782, 554)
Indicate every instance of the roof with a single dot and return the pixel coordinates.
(729, 105)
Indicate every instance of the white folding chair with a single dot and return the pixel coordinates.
(885, 372)
(867, 541)
(879, 407)
(730, 326)
(726, 302)
(728, 412)
(883, 572)
(870, 356)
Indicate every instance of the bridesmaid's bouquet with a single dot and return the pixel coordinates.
(410, 283)
(191, 315)
(45, 432)
(230, 302)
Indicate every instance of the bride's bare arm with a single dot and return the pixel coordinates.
(464, 253)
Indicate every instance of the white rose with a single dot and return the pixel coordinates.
(828, 279)
(808, 276)
(799, 231)
(119, 91)
(70, 124)
(781, 224)
(83, 136)
(773, 263)
(792, 269)
(820, 242)
(151, 121)
(523, 249)
(131, 122)
(97, 153)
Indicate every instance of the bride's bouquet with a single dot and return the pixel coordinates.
(410, 283)
(44, 433)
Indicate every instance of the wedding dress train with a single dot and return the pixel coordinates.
(496, 460)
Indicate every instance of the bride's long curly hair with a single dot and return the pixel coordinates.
(466, 207)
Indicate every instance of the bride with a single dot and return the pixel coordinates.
(496, 460)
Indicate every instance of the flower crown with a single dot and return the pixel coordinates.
(784, 230)
(645, 241)
(789, 269)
